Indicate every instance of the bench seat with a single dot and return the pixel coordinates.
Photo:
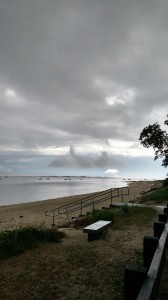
(96, 229)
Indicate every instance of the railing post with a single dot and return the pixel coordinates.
(163, 218)
(53, 218)
(93, 205)
(111, 196)
(149, 247)
(81, 208)
(158, 228)
(166, 210)
(121, 195)
(133, 279)
(66, 213)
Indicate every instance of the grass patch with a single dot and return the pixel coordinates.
(126, 215)
(19, 240)
(157, 197)
(105, 214)
(120, 217)
(137, 216)
(80, 255)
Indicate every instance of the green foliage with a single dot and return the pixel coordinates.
(158, 196)
(165, 183)
(105, 214)
(125, 209)
(110, 214)
(153, 136)
(17, 241)
(136, 216)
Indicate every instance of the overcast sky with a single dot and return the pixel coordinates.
(79, 80)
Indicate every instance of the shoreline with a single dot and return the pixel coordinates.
(33, 213)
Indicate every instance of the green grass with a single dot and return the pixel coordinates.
(19, 240)
(159, 196)
(128, 215)
(137, 216)
(120, 217)
(111, 214)
(105, 214)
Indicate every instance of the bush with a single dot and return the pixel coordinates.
(159, 196)
(17, 241)
(106, 215)
(165, 183)
(125, 208)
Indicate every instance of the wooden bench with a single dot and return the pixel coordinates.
(96, 229)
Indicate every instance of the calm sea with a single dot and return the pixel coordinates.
(23, 189)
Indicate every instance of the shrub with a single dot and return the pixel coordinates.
(106, 215)
(165, 183)
(125, 208)
(19, 240)
(158, 196)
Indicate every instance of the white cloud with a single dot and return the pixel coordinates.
(52, 150)
(11, 97)
(114, 100)
(129, 148)
(111, 171)
(10, 93)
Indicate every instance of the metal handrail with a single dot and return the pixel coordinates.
(90, 200)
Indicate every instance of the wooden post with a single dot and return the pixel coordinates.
(163, 218)
(121, 195)
(166, 210)
(111, 197)
(149, 247)
(67, 213)
(93, 205)
(158, 228)
(81, 209)
(133, 279)
(53, 218)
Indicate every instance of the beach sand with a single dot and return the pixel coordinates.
(14, 216)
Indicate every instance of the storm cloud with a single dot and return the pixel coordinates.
(72, 159)
(80, 74)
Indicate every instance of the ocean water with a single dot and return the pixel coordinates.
(25, 189)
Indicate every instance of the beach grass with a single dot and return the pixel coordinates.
(19, 240)
(159, 196)
(120, 217)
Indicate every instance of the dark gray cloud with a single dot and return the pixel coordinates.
(81, 72)
(74, 159)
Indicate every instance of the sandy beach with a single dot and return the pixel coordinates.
(13, 216)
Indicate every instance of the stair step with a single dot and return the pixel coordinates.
(105, 207)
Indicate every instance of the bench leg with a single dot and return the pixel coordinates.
(94, 237)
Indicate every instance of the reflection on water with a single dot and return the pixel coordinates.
(18, 189)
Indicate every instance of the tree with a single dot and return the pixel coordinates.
(153, 136)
